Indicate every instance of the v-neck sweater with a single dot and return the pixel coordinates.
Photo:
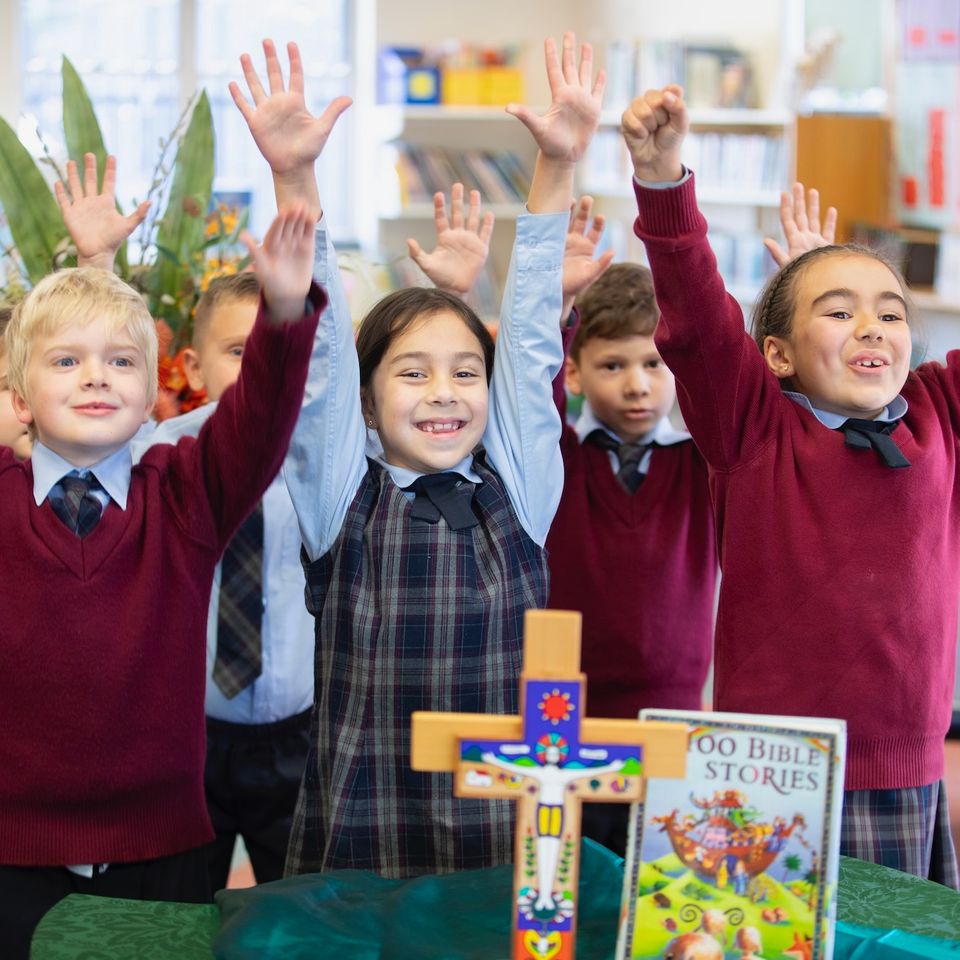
(103, 650)
(641, 568)
(840, 576)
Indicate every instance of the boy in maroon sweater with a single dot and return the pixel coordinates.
(108, 571)
(632, 544)
(834, 476)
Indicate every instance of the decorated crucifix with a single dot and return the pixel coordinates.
(549, 759)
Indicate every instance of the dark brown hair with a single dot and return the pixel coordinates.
(231, 288)
(620, 304)
(396, 312)
(777, 303)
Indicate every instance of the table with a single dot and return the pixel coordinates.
(873, 899)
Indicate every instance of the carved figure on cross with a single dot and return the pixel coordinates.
(549, 759)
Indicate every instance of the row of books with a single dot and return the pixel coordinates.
(423, 170)
(712, 75)
(739, 162)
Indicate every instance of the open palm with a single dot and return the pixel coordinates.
(565, 130)
(462, 245)
(287, 134)
(91, 217)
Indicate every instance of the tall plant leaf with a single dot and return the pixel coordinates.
(32, 211)
(82, 132)
(181, 228)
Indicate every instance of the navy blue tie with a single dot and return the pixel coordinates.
(73, 501)
(864, 434)
(446, 495)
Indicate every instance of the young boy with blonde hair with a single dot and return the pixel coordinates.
(109, 567)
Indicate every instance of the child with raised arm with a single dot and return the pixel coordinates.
(833, 471)
(421, 562)
(108, 569)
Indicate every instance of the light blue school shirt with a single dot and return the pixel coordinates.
(327, 458)
(285, 685)
(112, 473)
(664, 434)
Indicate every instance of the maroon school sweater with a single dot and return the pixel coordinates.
(641, 569)
(103, 640)
(840, 575)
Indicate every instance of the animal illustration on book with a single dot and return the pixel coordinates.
(738, 861)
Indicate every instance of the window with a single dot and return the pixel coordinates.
(140, 62)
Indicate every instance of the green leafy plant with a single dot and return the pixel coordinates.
(174, 244)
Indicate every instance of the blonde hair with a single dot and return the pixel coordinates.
(79, 296)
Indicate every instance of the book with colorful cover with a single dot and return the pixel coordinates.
(738, 860)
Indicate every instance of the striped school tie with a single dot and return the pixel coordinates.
(73, 501)
(629, 456)
(239, 658)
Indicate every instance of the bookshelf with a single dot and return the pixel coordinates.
(422, 149)
(741, 209)
(742, 158)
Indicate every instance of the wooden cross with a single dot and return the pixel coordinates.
(549, 759)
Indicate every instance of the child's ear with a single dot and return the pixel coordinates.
(21, 409)
(571, 374)
(779, 357)
(366, 406)
(193, 369)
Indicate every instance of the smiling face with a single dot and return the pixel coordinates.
(626, 383)
(428, 396)
(87, 389)
(849, 346)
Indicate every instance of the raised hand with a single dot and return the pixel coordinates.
(565, 130)
(653, 128)
(580, 269)
(286, 133)
(800, 220)
(91, 217)
(284, 262)
(462, 248)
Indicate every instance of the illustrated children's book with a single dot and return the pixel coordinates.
(739, 860)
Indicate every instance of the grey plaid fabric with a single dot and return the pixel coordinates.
(907, 829)
(239, 659)
(410, 616)
(72, 501)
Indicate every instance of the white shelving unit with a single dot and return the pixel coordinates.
(738, 209)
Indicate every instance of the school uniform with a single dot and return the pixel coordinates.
(257, 737)
(102, 654)
(840, 573)
(638, 560)
(417, 615)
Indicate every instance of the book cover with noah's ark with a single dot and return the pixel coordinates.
(738, 860)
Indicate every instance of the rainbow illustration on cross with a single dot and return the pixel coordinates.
(549, 760)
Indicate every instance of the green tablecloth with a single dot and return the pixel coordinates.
(873, 901)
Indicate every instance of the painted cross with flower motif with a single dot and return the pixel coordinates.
(549, 759)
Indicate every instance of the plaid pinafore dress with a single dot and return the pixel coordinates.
(410, 616)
